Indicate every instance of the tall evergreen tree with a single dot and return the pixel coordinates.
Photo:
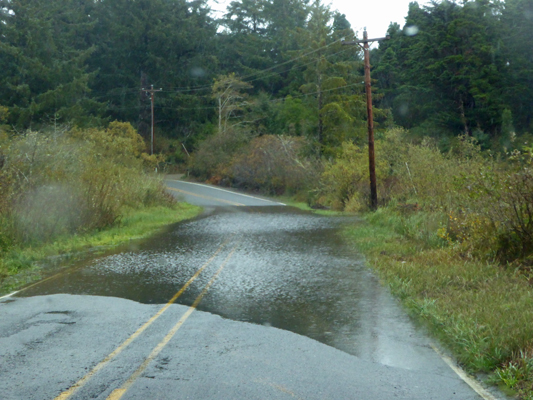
(332, 85)
(451, 63)
(258, 36)
(517, 44)
(165, 43)
(43, 55)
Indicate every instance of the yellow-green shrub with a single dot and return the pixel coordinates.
(345, 181)
(69, 181)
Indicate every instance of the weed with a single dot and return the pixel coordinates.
(480, 310)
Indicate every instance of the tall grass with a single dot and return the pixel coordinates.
(482, 311)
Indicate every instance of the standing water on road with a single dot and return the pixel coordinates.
(290, 270)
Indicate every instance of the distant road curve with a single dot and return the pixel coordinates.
(210, 196)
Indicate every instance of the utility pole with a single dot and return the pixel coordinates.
(370, 113)
(152, 138)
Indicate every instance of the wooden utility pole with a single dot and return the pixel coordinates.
(368, 90)
(152, 137)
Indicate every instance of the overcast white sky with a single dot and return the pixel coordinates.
(376, 15)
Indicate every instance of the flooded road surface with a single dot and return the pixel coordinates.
(266, 264)
(291, 270)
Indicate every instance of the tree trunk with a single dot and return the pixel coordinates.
(463, 115)
(219, 115)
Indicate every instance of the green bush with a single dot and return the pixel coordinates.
(496, 219)
(479, 203)
(345, 181)
(69, 181)
(273, 164)
(213, 155)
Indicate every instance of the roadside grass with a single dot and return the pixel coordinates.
(480, 310)
(302, 205)
(22, 265)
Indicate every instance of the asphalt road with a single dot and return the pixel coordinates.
(209, 196)
(252, 300)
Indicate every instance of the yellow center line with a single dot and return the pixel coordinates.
(69, 392)
(206, 197)
(118, 393)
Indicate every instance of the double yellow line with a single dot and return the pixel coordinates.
(118, 393)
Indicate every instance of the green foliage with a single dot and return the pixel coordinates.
(331, 83)
(481, 312)
(448, 67)
(230, 99)
(259, 35)
(44, 63)
(274, 165)
(63, 182)
(498, 216)
(345, 181)
(213, 155)
(119, 142)
(517, 19)
(508, 133)
(170, 44)
(293, 117)
(477, 203)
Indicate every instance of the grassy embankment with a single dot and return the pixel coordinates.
(23, 264)
(480, 310)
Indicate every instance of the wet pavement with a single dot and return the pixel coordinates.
(292, 270)
(282, 268)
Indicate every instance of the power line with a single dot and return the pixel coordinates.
(198, 88)
(122, 91)
(215, 107)
(320, 91)
(298, 66)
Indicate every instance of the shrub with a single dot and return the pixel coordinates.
(63, 182)
(345, 182)
(496, 220)
(273, 164)
(214, 154)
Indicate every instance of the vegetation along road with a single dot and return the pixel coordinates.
(251, 300)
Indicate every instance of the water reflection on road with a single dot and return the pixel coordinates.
(291, 270)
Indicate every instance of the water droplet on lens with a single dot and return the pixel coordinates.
(197, 72)
(411, 30)
(403, 109)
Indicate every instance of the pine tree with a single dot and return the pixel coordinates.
(43, 56)
(169, 44)
(332, 83)
(451, 65)
(517, 44)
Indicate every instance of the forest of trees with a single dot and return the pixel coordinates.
(461, 68)
(454, 68)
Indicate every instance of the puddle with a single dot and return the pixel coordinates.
(290, 270)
